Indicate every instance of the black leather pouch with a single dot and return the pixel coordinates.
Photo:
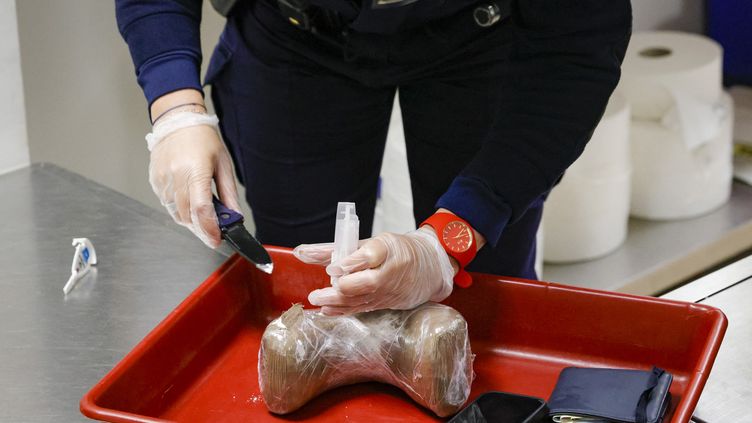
(503, 407)
(585, 395)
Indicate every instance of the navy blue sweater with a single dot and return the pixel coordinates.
(569, 59)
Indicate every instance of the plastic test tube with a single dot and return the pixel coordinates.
(346, 233)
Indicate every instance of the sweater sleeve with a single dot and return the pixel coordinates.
(164, 42)
(564, 67)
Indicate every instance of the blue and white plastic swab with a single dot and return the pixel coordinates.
(83, 259)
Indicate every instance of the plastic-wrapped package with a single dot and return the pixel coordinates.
(424, 351)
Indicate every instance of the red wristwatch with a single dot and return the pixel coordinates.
(458, 239)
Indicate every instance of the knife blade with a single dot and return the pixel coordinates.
(235, 233)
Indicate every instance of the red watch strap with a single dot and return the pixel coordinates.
(463, 279)
(438, 222)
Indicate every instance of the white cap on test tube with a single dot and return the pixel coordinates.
(346, 233)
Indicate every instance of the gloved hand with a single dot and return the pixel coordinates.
(181, 170)
(388, 271)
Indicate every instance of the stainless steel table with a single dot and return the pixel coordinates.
(54, 348)
(728, 394)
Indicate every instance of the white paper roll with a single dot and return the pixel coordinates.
(670, 181)
(607, 153)
(540, 248)
(395, 207)
(585, 218)
(658, 63)
(586, 215)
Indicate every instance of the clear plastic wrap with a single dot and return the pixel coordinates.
(424, 351)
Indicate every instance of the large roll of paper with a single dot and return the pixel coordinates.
(394, 209)
(663, 68)
(586, 218)
(608, 152)
(681, 125)
(586, 215)
(672, 181)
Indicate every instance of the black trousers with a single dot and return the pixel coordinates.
(306, 118)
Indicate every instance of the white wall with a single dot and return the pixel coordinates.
(14, 151)
(85, 110)
(682, 15)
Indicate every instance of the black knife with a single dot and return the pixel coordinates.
(233, 231)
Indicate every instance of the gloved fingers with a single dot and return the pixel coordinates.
(224, 178)
(160, 185)
(158, 181)
(166, 196)
(182, 198)
(181, 171)
(329, 296)
(362, 282)
(320, 254)
(197, 230)
(203, 217)
(346, 310)
(332, 311)
(389, 271)
(322, 296)
(371, 254)
(172, 209)
(443, 264)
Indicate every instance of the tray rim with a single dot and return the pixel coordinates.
(89, 407)
(88, 404)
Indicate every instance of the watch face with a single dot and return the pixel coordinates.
(457, 236)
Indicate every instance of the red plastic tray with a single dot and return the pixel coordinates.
(199, 364)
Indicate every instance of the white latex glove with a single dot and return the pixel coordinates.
(181, 171)
(388, 271)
